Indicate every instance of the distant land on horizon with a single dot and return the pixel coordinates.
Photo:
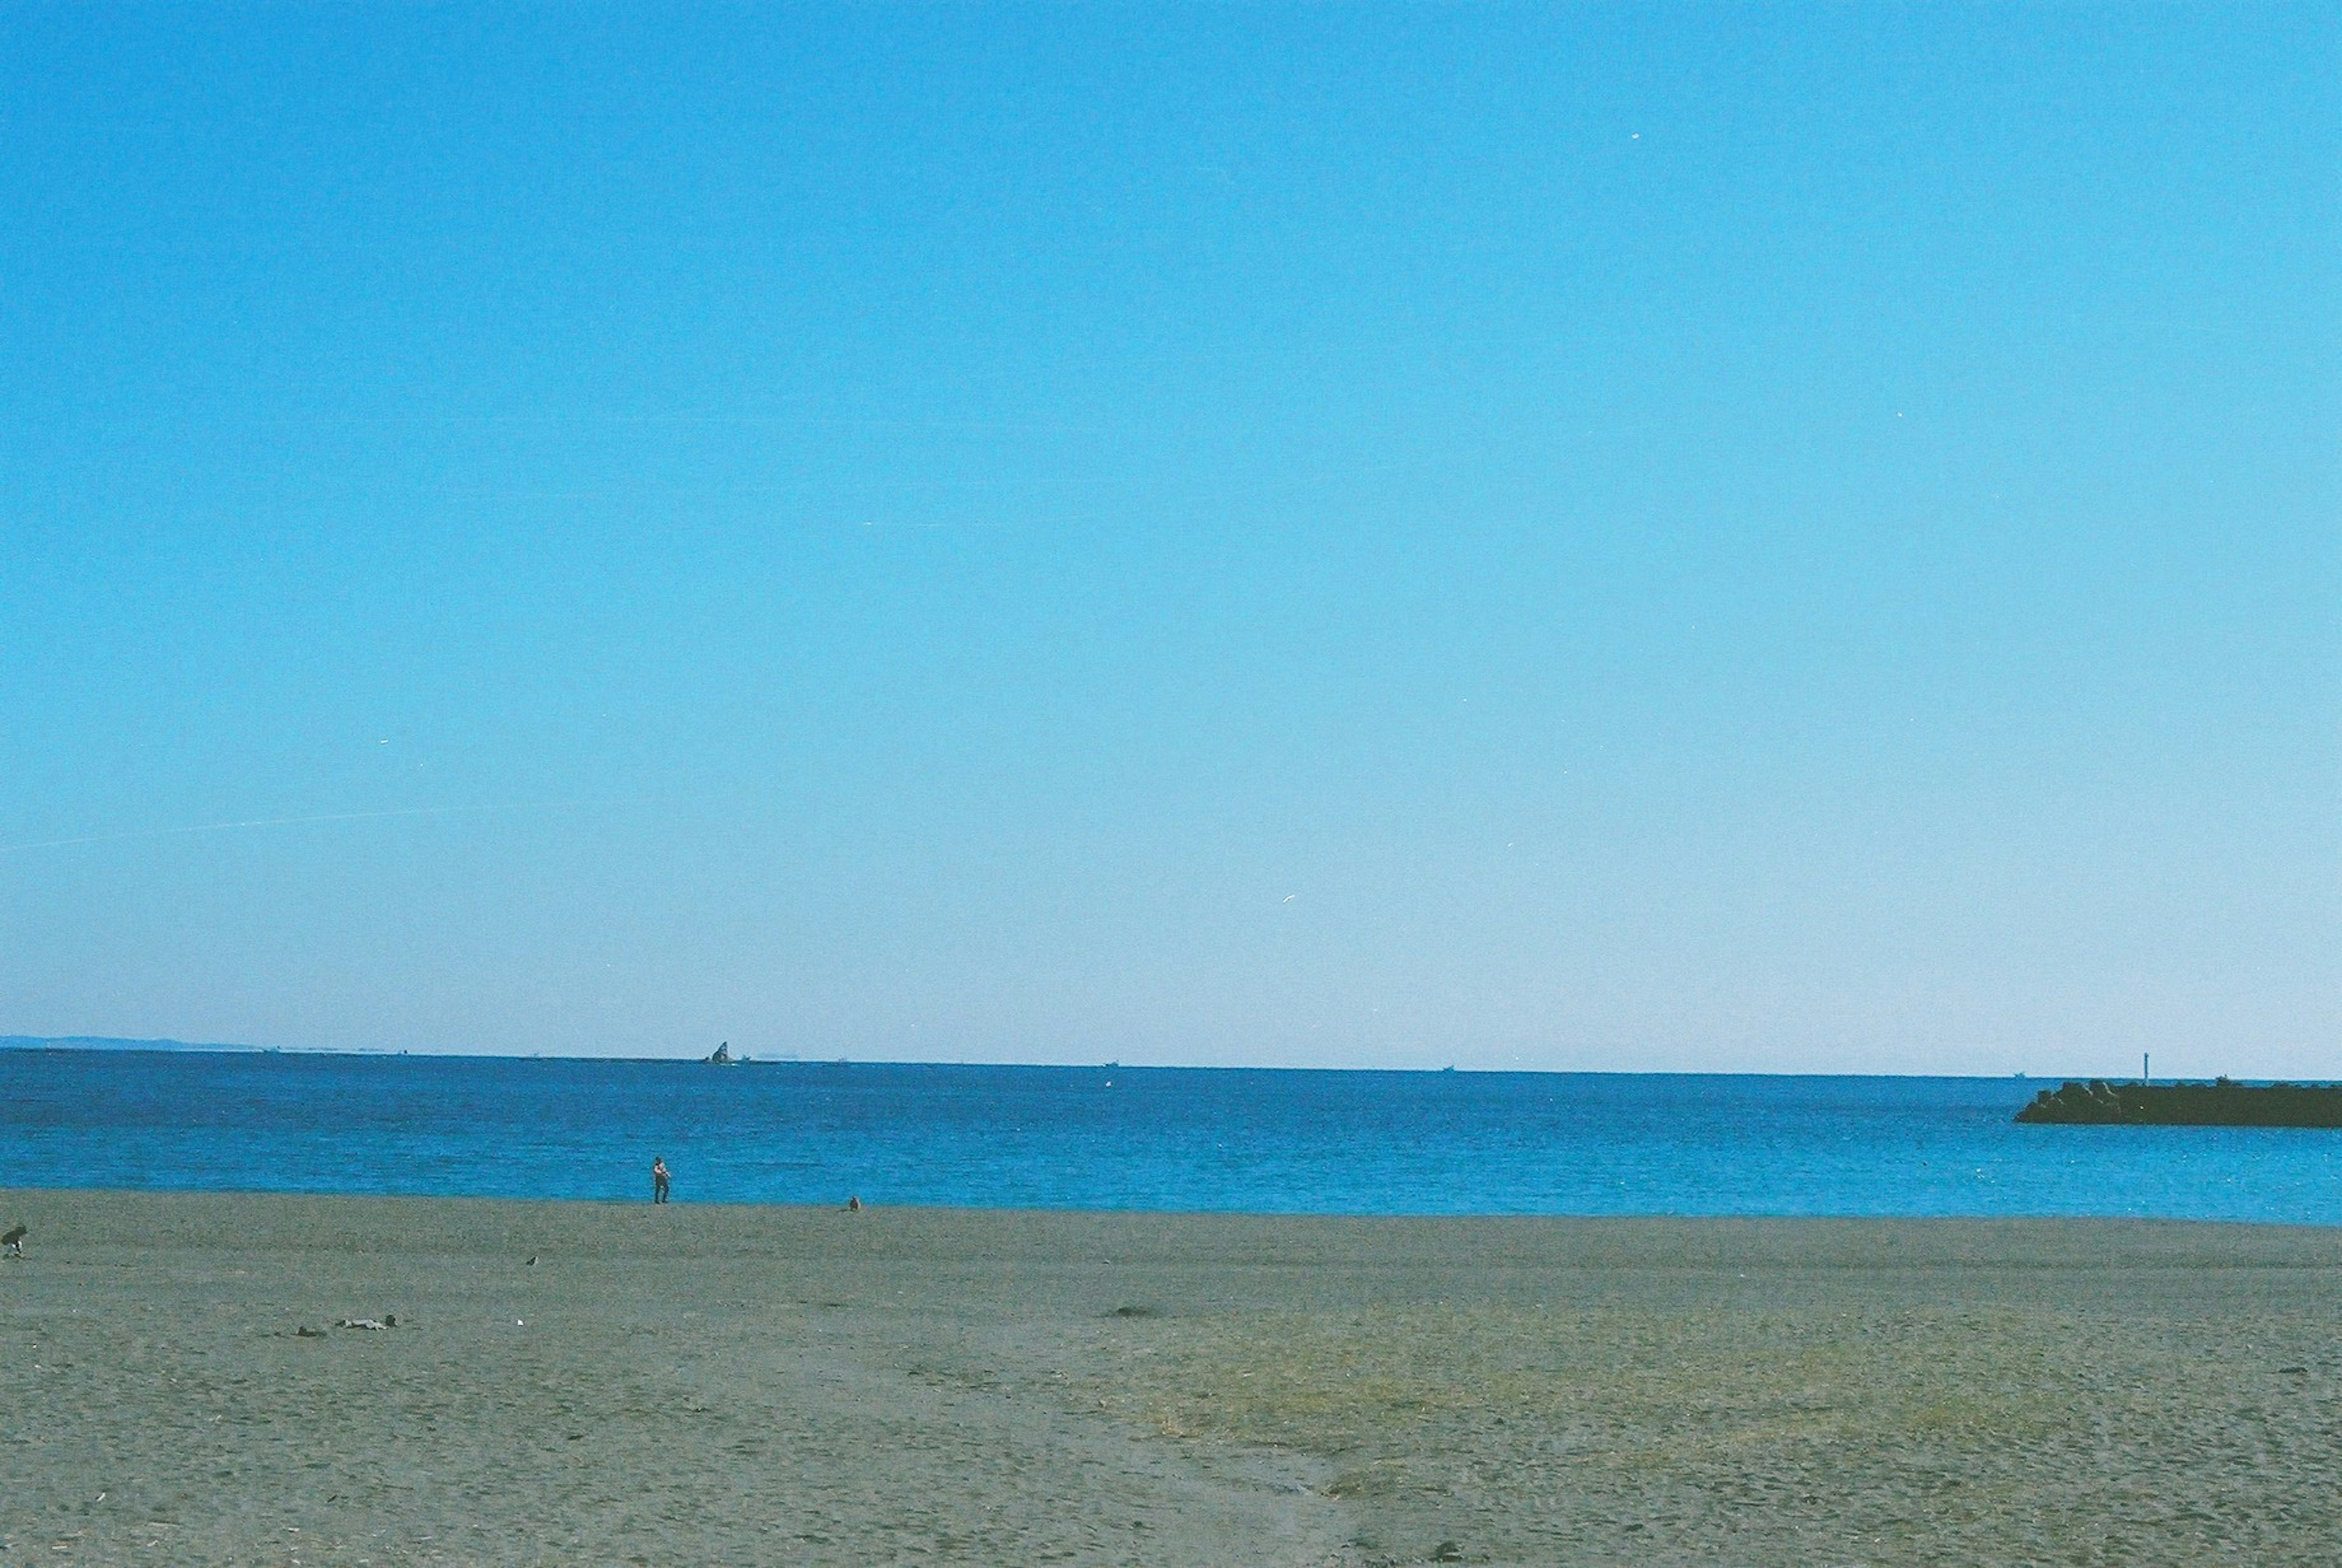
(110, 1043)
(107, 1042)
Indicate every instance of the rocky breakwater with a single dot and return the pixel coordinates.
(2223, 1103)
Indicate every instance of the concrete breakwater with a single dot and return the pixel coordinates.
(2223, 1103)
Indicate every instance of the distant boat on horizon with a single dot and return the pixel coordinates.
(722, 1057)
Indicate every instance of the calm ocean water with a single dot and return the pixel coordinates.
(1125, 1138)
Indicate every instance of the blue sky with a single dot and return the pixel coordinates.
(1752, 539)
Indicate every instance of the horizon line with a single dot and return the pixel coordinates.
(101, 1044)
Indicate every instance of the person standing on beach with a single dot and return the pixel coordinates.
(658, 1180)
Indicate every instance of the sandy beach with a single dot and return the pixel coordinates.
(698, 1384)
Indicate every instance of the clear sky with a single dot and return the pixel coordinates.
(1755, 539)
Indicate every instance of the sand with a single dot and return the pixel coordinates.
(698, 1384)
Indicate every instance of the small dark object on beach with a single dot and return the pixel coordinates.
(15, 1241)
(1448, 1552)
(532, 1260)
(1134, 1312)
(306, 1332)
(853, 1205)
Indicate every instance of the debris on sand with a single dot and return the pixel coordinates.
(386, 1320)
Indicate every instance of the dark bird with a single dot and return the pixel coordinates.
(532, 1260)
(15, 1242)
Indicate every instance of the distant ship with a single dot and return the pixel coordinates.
(2223, 1103)
(722, 1057)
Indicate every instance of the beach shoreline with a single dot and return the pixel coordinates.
(614, 1383)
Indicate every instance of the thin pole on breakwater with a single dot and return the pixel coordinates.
(2145, 1059)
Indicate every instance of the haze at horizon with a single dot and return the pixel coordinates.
(1599, 538)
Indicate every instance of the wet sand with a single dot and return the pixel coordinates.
(696, 1384)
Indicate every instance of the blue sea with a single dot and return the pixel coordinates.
(1363, 1143)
